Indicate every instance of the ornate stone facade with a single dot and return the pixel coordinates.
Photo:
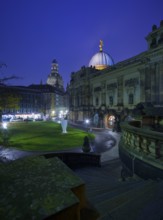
(54, 78)
(123, 85)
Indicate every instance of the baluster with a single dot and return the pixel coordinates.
(132, 140)
(144, 145)
(152, 147)
(137, 142)
(158, 149)
(128, 139)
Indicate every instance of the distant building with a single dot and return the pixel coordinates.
(52, 99)
(29, 100)
(54, 78)
(44, 99)
(110, 89)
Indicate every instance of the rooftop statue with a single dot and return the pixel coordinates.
(101, 45)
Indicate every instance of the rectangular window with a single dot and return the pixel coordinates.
(131, 99)
(111, 100)
(103, 98)
(97, 101)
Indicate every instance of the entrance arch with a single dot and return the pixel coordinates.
(109, 120)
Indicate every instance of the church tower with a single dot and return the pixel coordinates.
(54, 78)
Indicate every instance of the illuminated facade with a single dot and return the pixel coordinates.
(101, 60)
(28, 102)
(120, 86)
(52, 99)
(43, 99)
(54, 78)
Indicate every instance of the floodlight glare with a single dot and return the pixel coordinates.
(87, 121)
(4, 125)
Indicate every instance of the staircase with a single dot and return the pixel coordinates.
(114, 199)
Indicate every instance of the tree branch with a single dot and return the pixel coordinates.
(9, 78)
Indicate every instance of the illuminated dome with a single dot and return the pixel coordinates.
(101, 60)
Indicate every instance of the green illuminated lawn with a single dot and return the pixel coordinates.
(43, 136)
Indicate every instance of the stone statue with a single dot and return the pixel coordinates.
(64, 125)
(96, 119)
(101, 45)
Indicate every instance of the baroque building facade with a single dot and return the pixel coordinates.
(114, 88)
(54, 78)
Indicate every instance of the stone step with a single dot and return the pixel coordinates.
(96, 185)
(102, 192)
(124, 204)
(121, 200)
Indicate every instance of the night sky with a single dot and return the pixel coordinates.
(34, 32)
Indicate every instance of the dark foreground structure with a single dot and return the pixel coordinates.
(39, 188)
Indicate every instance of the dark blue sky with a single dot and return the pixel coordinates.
(34, 32)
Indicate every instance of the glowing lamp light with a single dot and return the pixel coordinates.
(87, 121)
(4, 125)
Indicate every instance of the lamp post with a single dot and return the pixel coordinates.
(4, 125)
(86, 144)
(5, 133)
(87, 121)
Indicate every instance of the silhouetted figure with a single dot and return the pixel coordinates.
(86, 145)
(117, 127)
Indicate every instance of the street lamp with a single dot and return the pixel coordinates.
(87, 121)
(5, 135)
(4, 125)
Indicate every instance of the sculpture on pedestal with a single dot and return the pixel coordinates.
(96, 119)
(64, 125)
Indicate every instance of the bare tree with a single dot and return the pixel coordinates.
(8, 99)
(4, 79)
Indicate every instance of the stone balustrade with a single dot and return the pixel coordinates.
(143, 143)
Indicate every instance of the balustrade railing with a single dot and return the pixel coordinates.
(143, 143)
